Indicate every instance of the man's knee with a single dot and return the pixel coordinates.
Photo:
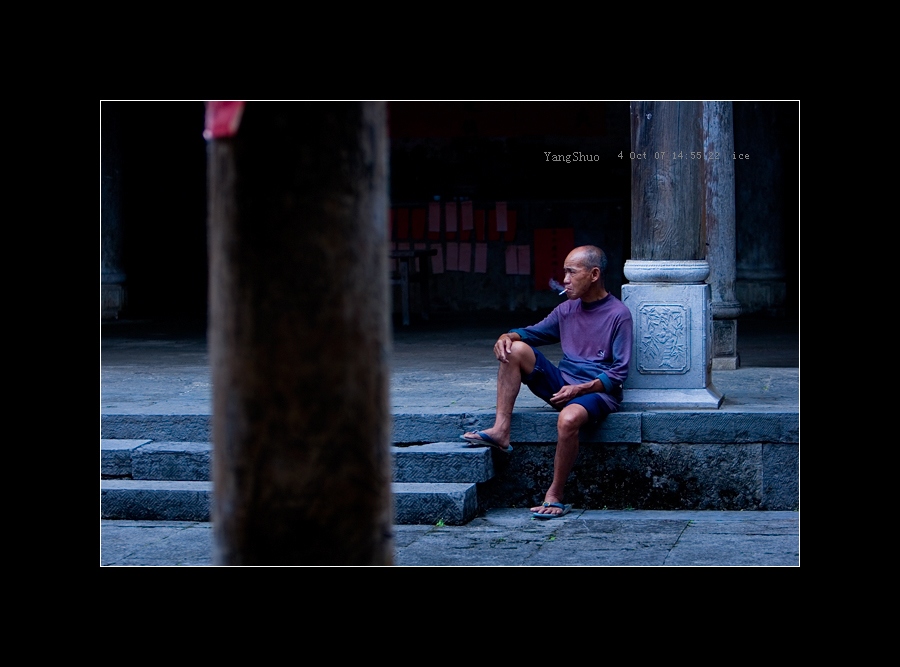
(571, 419)
(523, 355)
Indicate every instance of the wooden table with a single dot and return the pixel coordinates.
(406, 273)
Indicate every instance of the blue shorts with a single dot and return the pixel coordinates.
(545, 380)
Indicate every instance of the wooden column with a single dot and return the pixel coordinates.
(718, 147)
(299, 336)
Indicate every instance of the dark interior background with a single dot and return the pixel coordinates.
(483, 152)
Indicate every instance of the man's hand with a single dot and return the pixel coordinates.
(570, 391)
(565, 394)
(503, 347)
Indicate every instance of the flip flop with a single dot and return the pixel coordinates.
(565, 510)
(484, 440)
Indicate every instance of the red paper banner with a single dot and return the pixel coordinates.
(434, 221)
(524, 260)
(551, 246)
(510, 234)
(495, 234)
(417, 223)
(465, 257)
(501, 216)
(467, 218)
(401, 223)
(450, 216)
(479, 225)
(481, 258)
(452, 259)
(434, 217)
(512, 260)
(492, 233)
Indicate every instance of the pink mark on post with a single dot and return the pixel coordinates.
(222, 119)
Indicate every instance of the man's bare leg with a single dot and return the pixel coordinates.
(571, 419)
(520, 361)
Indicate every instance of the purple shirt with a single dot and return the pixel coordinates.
(595, 339)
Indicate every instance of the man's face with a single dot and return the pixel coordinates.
(578, 277)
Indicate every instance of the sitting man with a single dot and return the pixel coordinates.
(594, 329)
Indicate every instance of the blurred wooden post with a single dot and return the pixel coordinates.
(299, 336)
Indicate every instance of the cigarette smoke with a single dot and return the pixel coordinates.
(559, 288)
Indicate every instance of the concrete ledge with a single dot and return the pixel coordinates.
(138, 500)
(528, 425)
(445, 462)
(540, 426)
(724, 428)
(454, 504)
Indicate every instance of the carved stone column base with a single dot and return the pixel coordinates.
(671, 362)
(638, 400)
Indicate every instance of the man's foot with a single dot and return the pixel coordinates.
(488, 438)
(550, 508)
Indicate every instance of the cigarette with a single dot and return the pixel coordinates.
(563, 292)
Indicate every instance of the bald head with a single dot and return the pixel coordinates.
(585, 269)
(590, 256)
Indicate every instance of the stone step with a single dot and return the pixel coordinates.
(149, 460)
(166, 500)
(429, 503)
(170, 481)
(447, 462)
(720, 427)
(154, 500)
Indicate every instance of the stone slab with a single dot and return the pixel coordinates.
(421, 427)
(186, 461)
(446, 462)
(452, 504)
(155, 500)
(180, 427)
(116, 456)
